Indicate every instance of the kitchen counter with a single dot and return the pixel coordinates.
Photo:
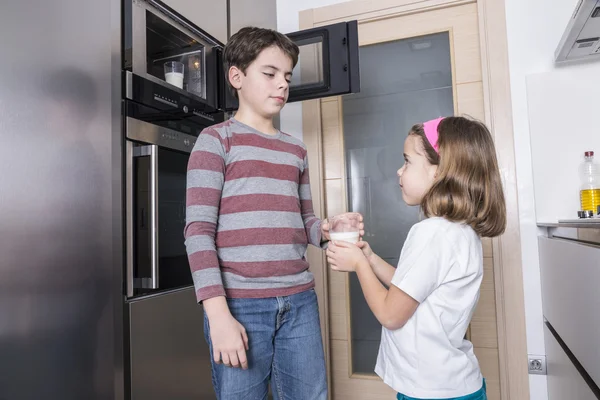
(586, 230)
(592, 223)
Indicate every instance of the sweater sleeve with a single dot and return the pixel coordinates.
(205, 178)
(312, 224)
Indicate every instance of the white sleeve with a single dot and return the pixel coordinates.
(424, 263)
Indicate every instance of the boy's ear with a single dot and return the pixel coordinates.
(235, 77)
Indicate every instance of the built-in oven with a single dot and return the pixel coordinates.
(157, 152)
(164, 323)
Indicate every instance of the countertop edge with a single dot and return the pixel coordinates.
(589, 224)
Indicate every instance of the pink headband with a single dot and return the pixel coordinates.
(431, 132)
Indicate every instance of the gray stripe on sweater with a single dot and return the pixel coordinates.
(258, 253)
(260, 219)
(304, 192)
(250, 153)
(198, 243)
(199, 178)
(208, 143)
(233, 281)
(292, 140)
(207, 277)
(201, 214)
(315, 235)
(245, 186)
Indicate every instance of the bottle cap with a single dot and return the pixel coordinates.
(585, 214)
(589, 153)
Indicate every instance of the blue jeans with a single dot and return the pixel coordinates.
(284, 336)
(478, 395)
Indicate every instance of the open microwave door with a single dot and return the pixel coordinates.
(327, 66)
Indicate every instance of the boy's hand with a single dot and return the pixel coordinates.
(325, 226)
(325, 230)
(344, 256)
(366, 249)
(228, 337)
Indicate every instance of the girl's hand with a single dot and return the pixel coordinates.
(344, 256)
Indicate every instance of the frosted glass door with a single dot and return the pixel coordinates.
(403, 82)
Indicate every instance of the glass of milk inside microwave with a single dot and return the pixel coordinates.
(345, 227)
(174, 73)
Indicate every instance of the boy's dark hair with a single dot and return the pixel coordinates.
(244, 47)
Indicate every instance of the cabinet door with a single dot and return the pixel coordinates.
(168, 356)
(327, 66)
(209, 15)
(570, 274)
(564, 380)
(260, 13)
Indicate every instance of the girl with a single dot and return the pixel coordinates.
(451, 171)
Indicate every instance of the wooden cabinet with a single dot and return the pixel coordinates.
(260, 13)
(209, 15)
(570, 272)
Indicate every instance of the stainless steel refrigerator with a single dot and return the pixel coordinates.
(61, 251)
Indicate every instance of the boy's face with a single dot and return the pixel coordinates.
(264, 88)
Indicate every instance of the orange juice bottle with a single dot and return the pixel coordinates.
(589, 173)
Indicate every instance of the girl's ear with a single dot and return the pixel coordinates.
(433, 171)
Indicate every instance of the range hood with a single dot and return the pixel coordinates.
(581, 39)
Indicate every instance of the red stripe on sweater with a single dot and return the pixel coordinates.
(260, 236)
(268, 143)
(201, 260)
(261, 169)
(203, 197)
(262, 293)
(259, 202)
(205, 160)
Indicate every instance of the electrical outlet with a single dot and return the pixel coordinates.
(536, 364)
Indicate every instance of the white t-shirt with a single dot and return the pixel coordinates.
(441, 266)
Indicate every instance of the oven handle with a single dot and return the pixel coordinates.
(129, 210)
(131, 153)
(153, 152)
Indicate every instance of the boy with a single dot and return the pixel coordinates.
(249, 220)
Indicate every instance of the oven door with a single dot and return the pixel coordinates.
(154, 34)
(156, 168)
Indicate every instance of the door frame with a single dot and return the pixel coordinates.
(510, 311)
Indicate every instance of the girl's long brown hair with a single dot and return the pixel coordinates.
(467, 187)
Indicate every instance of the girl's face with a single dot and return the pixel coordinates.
(417, 173)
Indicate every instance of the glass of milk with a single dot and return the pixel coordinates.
(174, 73)
(345, 227)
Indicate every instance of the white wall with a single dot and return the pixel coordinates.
(287, 21)
(573, 97)
(534, 30)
